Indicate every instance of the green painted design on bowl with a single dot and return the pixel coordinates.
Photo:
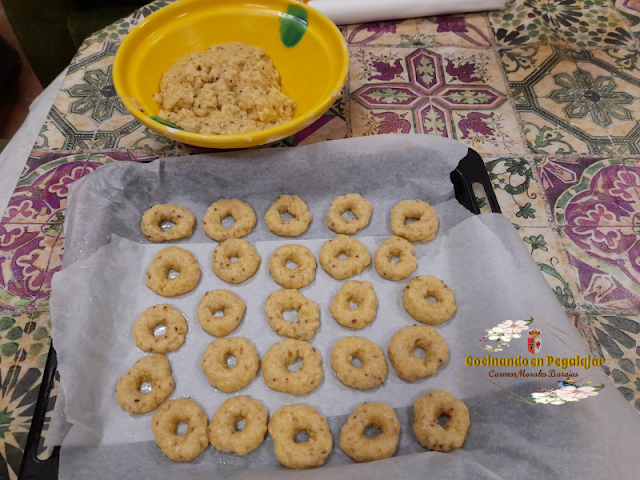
(293, 25)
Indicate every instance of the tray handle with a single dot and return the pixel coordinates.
(32, 467)
(471, 170)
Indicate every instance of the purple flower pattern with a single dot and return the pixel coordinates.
(451, 24)
(25, 251)
(377, 29)
(474, 122)
(391, 123)
(386, 70)
(596, 203)
(431, 99)
(464, 72)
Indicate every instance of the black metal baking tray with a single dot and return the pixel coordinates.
(470, 170)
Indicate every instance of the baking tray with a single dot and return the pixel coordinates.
(470, 170)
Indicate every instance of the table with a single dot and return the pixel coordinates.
(549, 97)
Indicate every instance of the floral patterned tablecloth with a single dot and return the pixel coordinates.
(548, 91)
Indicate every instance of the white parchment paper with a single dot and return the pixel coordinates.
(347, 12)
(100, 293)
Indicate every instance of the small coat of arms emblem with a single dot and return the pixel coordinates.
(533, 342)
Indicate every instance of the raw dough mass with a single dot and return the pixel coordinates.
(229, 89)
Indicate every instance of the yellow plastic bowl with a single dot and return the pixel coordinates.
(313, 71)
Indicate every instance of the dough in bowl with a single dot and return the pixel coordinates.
(231, 88)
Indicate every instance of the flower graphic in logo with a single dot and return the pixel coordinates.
(503, 333)
(510, 326)
(573, 394)
(568, 392)
(547, 397)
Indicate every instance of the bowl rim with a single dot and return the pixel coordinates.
(243, 140)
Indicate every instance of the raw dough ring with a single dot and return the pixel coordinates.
(414, 299)
(246, 266)
(242, 213)
(360, 208)
(360, 293)
(361, 448)
(173, 258)
(154, 369)
(307, 311)
(357, 260)
(225, 378)
(426, 411)
(180, 448)
(175, 329)
(395, 247)
(298, 277)
(285, 353)
(285, 424)
(232, 308)
(421, 231)
(294, 206)
(410, 367)
(222, 429)
(373, 369)
(181, 216)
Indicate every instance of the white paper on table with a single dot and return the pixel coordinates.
(97, 297)
(345, 12)
(15, 155)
